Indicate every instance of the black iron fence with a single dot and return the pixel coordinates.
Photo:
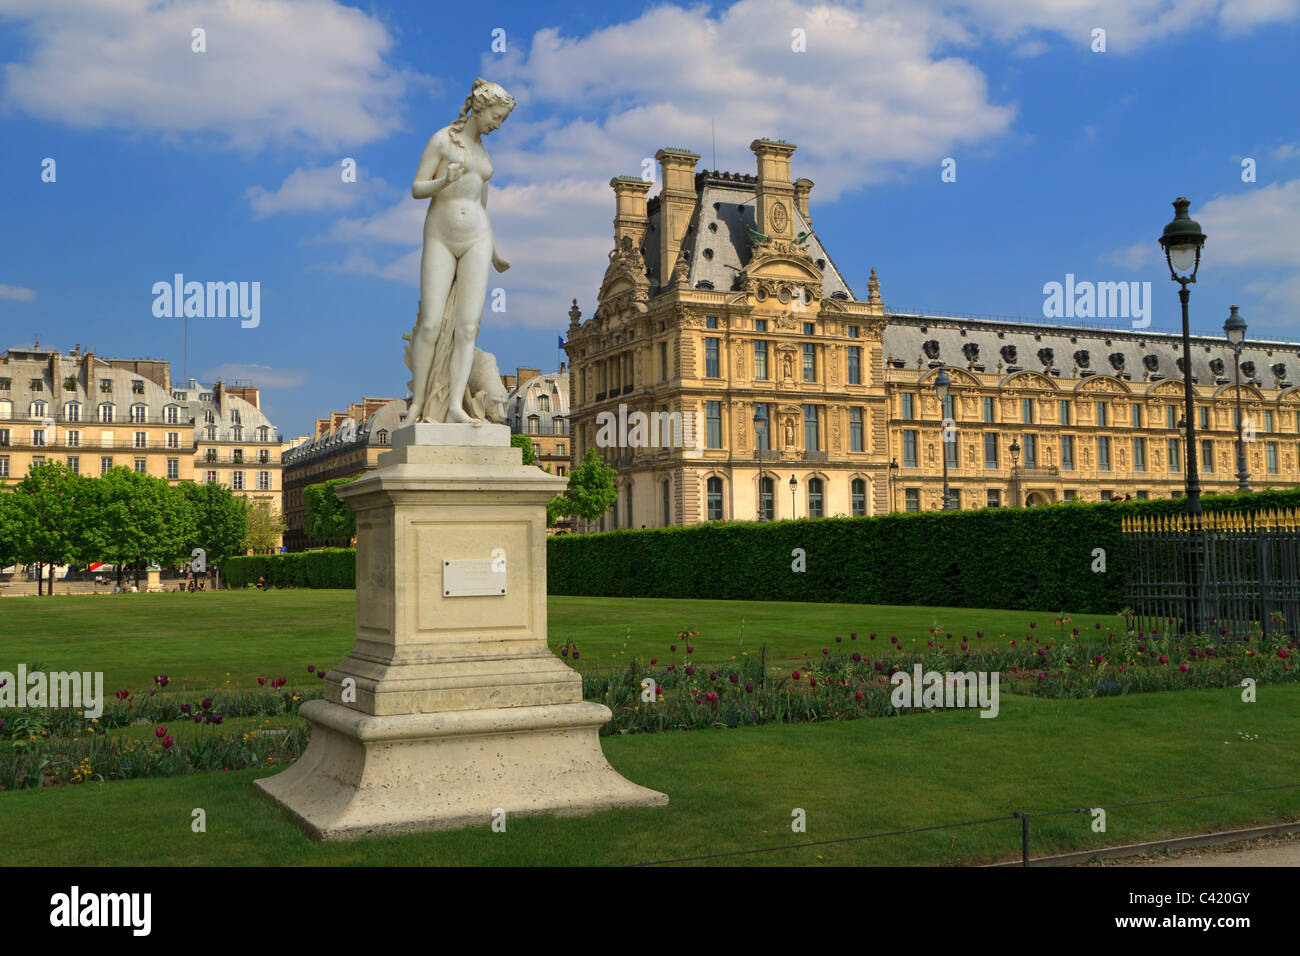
(1202, 573)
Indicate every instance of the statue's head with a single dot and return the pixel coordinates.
(491, 104)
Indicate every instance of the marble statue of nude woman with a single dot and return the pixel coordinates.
(458, 248)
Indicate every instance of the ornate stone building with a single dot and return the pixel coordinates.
(539, 408)
(94, 414)
(721, 309)
(346, 444)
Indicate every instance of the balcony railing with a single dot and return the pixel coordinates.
(543, 431)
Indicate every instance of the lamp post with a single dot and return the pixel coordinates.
(1182, 240)
(893, 476)
(760, 420)
(1015, 477)
(942, 386)
(1235, 329)
(794, 483)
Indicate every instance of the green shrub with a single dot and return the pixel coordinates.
(1013, 558)
(327, 568)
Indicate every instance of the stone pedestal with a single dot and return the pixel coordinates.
(450, 706)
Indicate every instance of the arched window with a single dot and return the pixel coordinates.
(6, 408)
(72, 412)
(667, 487)
(859, 488)
(714, 499)
(815, 505)
(208, 416)
(212, 433)
(534, 424)
(239, 432)
(766, 499)
(382, 436)
(262, 432)
(38, 408)
(627, 497)
(172, 414)
(138, 413)
(543, 403)
(234, 417)
(106, 412)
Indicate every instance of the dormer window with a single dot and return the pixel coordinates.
(37, 385)
(137, 386)
(105, 384)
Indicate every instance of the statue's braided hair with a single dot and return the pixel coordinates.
(482, 95)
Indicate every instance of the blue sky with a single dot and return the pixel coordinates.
(224, 165)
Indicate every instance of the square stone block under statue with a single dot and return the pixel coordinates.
(451, 705)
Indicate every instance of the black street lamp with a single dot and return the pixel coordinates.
(1235, 329)
(1015, 477)
(1182, 240)
(760, 435)
(794, 483)
(942, 386)
(893, 476)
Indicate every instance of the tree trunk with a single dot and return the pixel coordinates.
(40, 579)
(51, 591)
(119, 573)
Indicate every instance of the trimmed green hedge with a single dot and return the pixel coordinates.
(327, 568)
(1014, 558)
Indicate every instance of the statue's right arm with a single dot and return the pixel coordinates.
(425, 186)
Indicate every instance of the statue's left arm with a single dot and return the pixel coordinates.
(499, 263)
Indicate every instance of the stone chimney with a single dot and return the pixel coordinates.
(629, 209)
(802, 187)
(676, 206)
(775, 193)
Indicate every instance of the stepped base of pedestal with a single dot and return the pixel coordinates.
(363, 775)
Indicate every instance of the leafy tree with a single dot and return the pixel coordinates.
(265, 526)
(220, 521)
(524, 443)
(50, 503)
(590, 493)
(327, 515)
(11, 528)
(135, 519)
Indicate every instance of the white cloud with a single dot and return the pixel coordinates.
(283, 72)
(314, 190)
(263, 376)
(1129, 24)
(17, 293)
(871, 92)
(1258, 228)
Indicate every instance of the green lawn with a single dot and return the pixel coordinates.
(735, 790)
(228, 639)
